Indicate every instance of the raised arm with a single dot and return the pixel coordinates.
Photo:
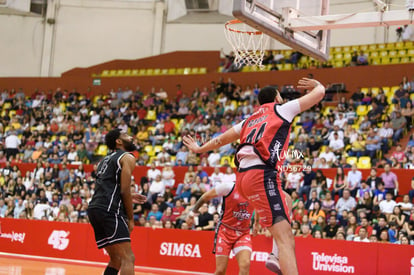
(229, 136)
(316, 94)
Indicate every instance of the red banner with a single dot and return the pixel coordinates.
(191, 250)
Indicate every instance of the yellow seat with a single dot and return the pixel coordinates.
(102, 150)
(372, 47)
(364, 163)
(362, 110)
(127, 72)
(195, 70)
(364, 90)
(408, 44)
(383, 53)
(164, 71)
(187, 70)
(6, 105)
(363, 48)
(339, 56)
(339, 64)
(120, 73)
(374, 54)
(395, 60)
(337, 50)
(246, 69)
(374, 91)
(402, 53)
(157, 149)
(405, 60)
(150, 72)
(392, 53)
(224, 159)
(105, 73)
(157, 71)
(172, 71)
(385, 61)
(135, 72)
(180, 70)
(202, 70)
(346, 49)
(151, 129)
(323, 148)
(390, 46)
(63, 138)
(151, 115)
(375, 61)
(112, 73)
(142, 72)
(399, 45)
(287, 67)
(381, 46)
(354, 48)
(149, 150)
(351, 160)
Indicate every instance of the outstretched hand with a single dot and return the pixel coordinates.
(307, 83)
(138, 198)
(191, 144)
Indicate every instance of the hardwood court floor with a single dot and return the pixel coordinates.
(20, 266)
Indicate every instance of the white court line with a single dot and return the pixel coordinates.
(25, 256)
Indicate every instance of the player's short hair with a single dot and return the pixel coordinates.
(111, 137)
(267, 95)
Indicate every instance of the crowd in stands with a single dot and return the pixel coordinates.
(57, 128)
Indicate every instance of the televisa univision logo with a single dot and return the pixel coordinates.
(331, 263)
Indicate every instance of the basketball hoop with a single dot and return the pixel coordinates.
(247, 43)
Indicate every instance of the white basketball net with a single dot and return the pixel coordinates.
(247, 43)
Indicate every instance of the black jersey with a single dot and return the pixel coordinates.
(108, 184)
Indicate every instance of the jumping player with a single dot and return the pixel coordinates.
(110, 210)
(264, 138)
(233, 230)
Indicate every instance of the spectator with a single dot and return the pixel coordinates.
(387, 206)
(398, 124)
(373, 144)
(386, 133)
(358, 147)
(362, 59)
(293, 181)
(154, 212)
(168, 176)
(12, 143)
(347, 202)
(379, 194)
(373, 180)
(331, 228)
(152, 173)
(362, 236)
(310, 203)
(306, 232)
(156, 187)
(390, 180)
(366, 226)
(41, 210)
(309, 176)
(340, 182)
(182, 155)
(214, 158)
(354, 178)
(406, 204)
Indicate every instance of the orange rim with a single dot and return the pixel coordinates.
(235, 22)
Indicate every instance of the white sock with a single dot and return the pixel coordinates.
(275, 249)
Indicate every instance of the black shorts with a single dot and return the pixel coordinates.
(109, 228)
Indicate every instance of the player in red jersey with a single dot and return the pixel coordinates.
(264, 139)
(233, 229)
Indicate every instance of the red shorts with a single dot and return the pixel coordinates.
(258, 185)
(227, 239)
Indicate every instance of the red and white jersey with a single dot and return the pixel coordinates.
(236, 212)
(266, 133)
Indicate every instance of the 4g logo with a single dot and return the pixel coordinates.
(58, 239)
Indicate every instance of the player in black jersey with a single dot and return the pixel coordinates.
(110, 210)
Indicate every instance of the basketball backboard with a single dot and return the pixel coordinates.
(305, 25)
(271, 17)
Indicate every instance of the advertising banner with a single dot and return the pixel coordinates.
(192, 250)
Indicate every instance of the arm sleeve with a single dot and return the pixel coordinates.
(237, 128)
(224, 189)
(289, 110)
